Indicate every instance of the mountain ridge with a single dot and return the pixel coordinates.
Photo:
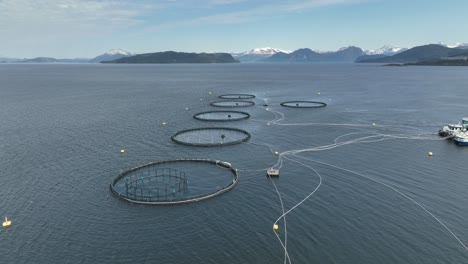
(113, 54)
(257, 54)
(418, 54)
(168, 57)
(385, 54)
(306, 55)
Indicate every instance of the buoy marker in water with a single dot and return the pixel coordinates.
(186, 108)
(6, 223)
(122, 151)
(275, 227)
(373, 124)
(209, 93)
(276, 153)
(164, 123)
(430, 153)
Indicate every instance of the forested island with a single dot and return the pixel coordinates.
(177, 57)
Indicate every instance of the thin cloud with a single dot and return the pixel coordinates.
(22, 14)
(259, 12)
(225, 2)
(305, 5)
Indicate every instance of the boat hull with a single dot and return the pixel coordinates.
(461, 139)
(460, 142)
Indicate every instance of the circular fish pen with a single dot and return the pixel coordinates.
(221, 116)
(177, 181)
(303, 104)
(237, 96)
(232, 104)
(211, 136)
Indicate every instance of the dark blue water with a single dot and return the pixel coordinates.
(62, 128)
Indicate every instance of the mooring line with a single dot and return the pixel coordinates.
(397, 191)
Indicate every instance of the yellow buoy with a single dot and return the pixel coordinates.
(276, 153)
(122, 151)
(430, 154)
(164, 123)
(7, 223)
(275, 227)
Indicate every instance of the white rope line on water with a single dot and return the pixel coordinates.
(397, 191)
(286, 254)
(359, 140)
(295, 206)
(280, 116)
(371, 138)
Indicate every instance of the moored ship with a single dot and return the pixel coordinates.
(461, 139)
(451, 130)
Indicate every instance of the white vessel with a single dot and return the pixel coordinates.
(273, 172)
(461, 139)
(451, 130)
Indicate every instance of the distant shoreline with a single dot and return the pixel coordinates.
(460, 62)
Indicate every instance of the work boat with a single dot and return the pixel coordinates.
(273, 172)
(452, 130)
(461, 139)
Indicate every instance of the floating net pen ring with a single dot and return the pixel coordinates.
(221, 116)
(232, 104)
(151, 185)
(211, 136)
(237, 96)
(303, 104)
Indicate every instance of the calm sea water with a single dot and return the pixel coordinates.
(62, 128)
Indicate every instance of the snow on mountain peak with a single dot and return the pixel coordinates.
(118, 51)
(322, 51)
(385, 50)
(264, 51)
(268, 50)
(456, 45)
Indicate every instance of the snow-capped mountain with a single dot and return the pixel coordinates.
(457, 45)
(386, 50)
(113, 54)
(257, 54)
(267, 51)
(118, 51)
(330, 51)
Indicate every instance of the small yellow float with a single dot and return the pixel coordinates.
(6, 223)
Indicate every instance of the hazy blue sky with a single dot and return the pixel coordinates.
(86, 28)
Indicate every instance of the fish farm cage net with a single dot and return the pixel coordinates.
(152, 184)
(237, 96)
(221, 116)
(303, 104)
(232, 104)
(211, 136)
